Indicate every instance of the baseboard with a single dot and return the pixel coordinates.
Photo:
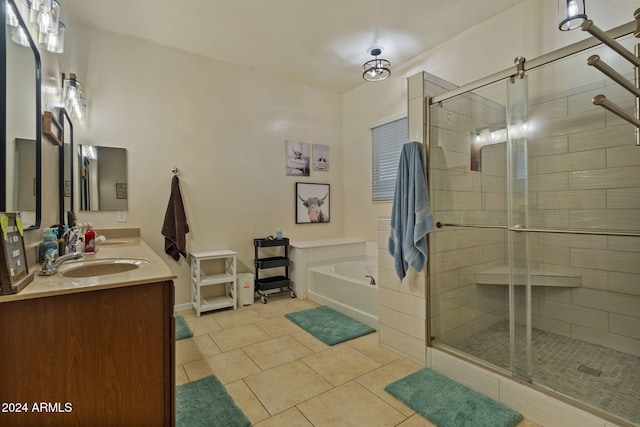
(181, 307)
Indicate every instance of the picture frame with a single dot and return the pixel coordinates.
(14, 270)
(313, 203)
(297, 158)
(121, 190)
(321, 159)
(51, 128)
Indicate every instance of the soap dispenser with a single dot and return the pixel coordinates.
(49, 243)
(90, 241)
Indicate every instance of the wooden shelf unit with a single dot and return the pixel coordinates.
(200, 278)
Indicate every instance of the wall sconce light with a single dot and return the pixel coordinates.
(377, 69)
(571, 14)
(73, 98)
(43, 18)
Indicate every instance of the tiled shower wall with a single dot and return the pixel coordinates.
(403, 304)
(584, 172)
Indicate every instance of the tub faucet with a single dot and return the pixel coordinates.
(52, 261)
(373, 281)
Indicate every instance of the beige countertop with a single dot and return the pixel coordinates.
(129, 247)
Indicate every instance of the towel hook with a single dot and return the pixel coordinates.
(175, 171)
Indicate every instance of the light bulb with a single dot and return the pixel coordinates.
(44, 22)
(572, 9)
(52, 42)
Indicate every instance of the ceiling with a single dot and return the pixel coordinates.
(322, 43)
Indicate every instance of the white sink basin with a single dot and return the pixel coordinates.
(102, 267)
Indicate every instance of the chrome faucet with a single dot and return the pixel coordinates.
(52, 261)
(373, 281)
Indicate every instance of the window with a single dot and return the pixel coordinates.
(386, 141)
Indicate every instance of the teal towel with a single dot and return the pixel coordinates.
(411, 218)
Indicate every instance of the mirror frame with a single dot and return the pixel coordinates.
(65, 120)
(3, 114)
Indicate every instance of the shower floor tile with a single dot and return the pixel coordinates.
(569, 366)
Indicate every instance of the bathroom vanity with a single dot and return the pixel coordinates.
(84, 350)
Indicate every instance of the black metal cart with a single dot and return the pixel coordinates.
(272, 284)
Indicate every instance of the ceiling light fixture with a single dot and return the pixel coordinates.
(571, 14)
(377, 69)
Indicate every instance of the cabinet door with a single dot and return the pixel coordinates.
(94, 358)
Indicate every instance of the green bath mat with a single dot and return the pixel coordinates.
(328, 325)
(205, 402)
(447, 403)
(182, 329)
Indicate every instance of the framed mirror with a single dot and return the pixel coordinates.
(102, 178)
(20, 144)
(66, 192)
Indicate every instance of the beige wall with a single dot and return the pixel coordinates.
(223, 126)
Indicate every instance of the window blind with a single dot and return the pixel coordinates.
(386, 141)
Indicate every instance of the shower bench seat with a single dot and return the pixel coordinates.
(500, 276)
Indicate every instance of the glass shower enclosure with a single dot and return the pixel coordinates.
(535, 264)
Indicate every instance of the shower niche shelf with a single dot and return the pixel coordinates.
(500, 276)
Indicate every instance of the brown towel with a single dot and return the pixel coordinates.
(175, 227)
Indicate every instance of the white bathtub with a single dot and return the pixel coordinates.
(345, 287)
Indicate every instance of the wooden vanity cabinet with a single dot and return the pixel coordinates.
(93, 358)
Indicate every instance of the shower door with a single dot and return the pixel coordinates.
(535, 265)
(479, 269)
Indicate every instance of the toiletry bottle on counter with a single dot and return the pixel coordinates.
(49, 243)
(80, 245)
(90, 241)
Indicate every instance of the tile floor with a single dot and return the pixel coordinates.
(280, 375)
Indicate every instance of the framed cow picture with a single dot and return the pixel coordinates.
(312, 203)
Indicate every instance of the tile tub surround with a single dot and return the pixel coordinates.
(403, 305)
(279, 375)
